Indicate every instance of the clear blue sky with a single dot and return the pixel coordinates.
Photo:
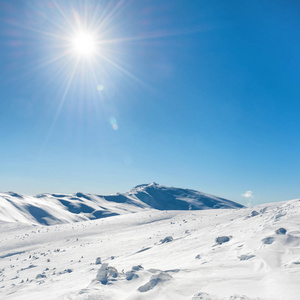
(196, 94)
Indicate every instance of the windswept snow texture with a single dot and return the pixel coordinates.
(51, 209)
(123, 257)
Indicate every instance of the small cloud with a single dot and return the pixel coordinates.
(248, 195)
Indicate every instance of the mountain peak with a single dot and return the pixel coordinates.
(171, 198)
(146, 185)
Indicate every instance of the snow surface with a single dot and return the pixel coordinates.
(51, 209)
(153, 254)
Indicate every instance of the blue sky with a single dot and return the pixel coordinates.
(195, 94)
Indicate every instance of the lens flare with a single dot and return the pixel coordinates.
(113, 123)
(100, 87)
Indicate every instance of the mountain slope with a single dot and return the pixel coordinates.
(50, 209)
(171, 198)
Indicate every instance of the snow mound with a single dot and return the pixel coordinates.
(223, 239)
(133, 273)
(106, 273)
(154, 281)
(167, 239)
(280, 231)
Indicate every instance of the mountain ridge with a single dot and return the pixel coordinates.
(57, 208)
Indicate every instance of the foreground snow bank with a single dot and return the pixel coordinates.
(157, 255)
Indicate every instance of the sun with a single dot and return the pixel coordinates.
(84, 44)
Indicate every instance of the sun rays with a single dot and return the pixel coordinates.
(85, 52)
(82, 54)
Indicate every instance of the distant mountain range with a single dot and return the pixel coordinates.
(50, 209)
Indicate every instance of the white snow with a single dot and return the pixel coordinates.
(51, 209)
(62, 261)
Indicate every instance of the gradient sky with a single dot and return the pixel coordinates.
(192, 94)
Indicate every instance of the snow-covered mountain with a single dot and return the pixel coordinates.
(50, 209)
(171, 198)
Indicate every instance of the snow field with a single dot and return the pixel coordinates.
(157, 255)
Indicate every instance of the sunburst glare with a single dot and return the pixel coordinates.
(85, 51)
(84, 44)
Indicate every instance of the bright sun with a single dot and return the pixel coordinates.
(84, 44)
